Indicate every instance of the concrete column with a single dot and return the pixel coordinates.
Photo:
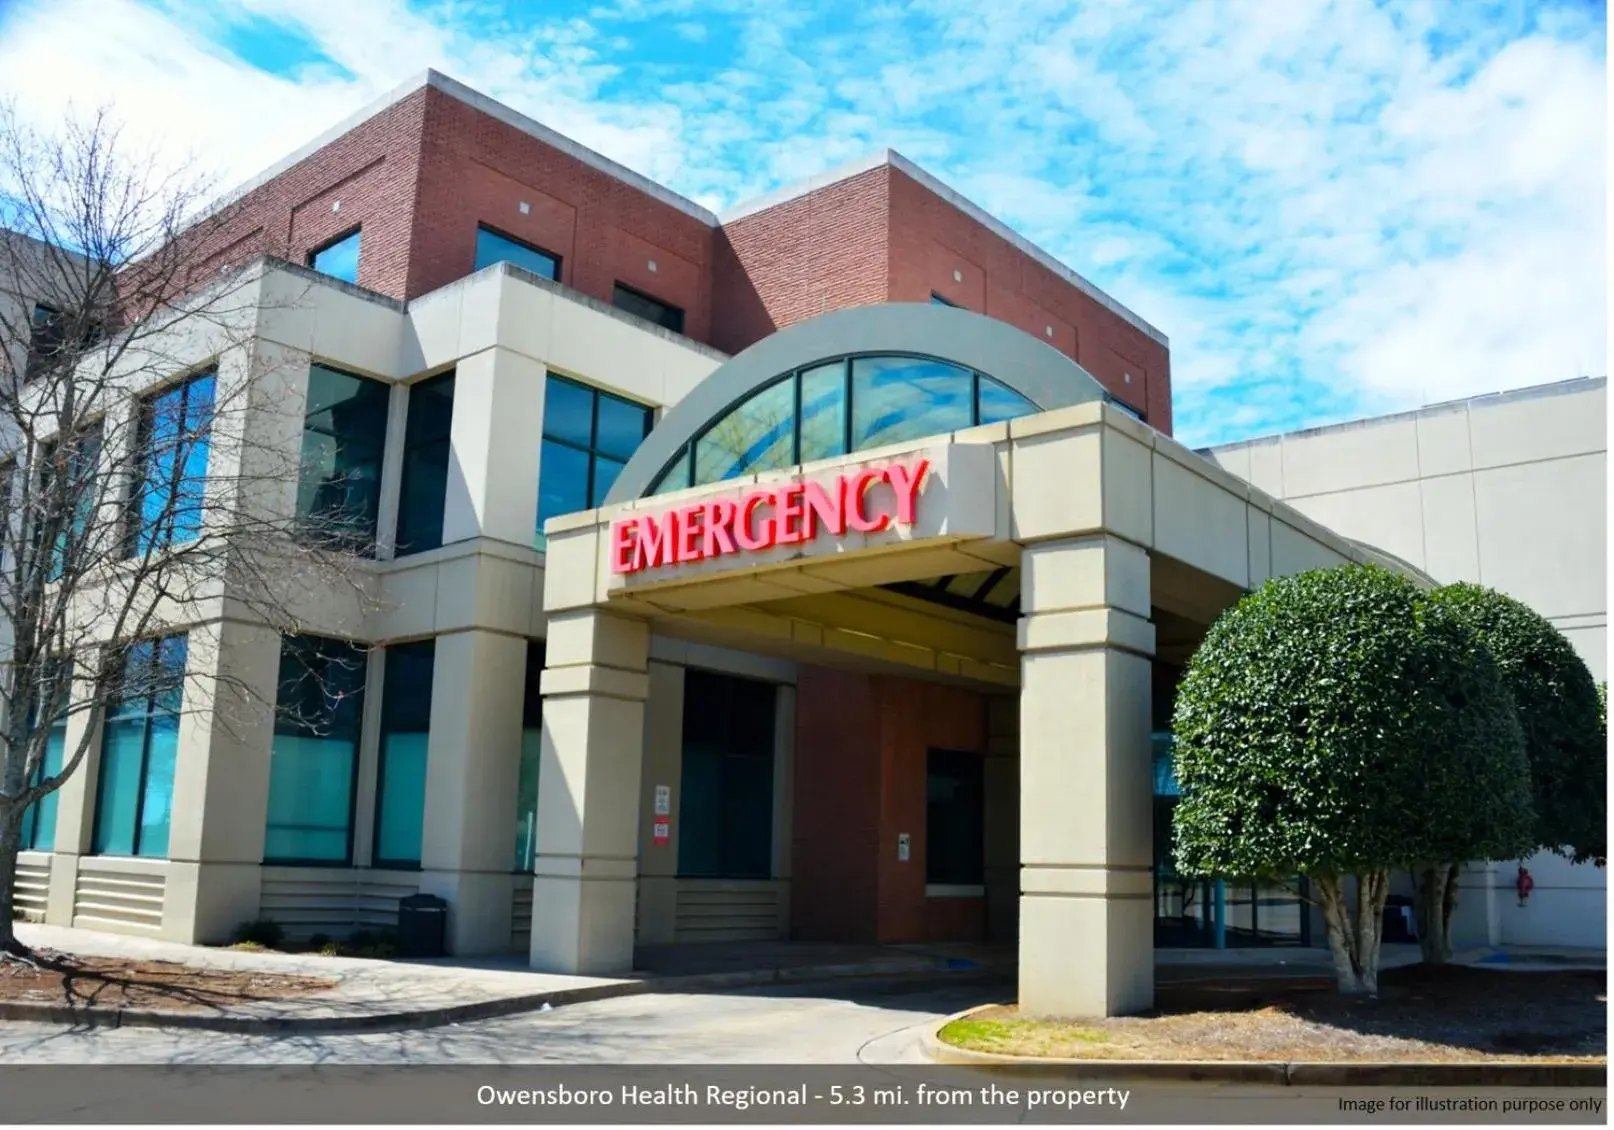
(663, 767)
(594, 688)
(473, 761)
(498, 419)
(1086, 913)
(75, 809)
(221, 781)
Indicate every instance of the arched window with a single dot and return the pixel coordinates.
(837, 407)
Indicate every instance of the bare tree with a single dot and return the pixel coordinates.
(150, 456)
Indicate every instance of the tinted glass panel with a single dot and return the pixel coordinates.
(140, 744)
(605, 473)
(568, 411)
(171, 466)
(622, 427)
(651, 309)
(532, 742)
(562, 481)
(344, 435)
(405, 724)
(81, 465)
(999, 402)
(427, 449)
(676, 476)
(340, 260)
(954, 828)
(315, 751)
(491, 248)
(895, 399)
(726, 790)
(759, 435)
(39, 822)
(823, 412)
(589, 435)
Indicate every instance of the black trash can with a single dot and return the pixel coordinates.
(422, 926)
(1400, 922)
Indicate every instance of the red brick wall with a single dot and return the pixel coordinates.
(476, 169)
(861, 745)
(818, 252)
(930, 240)
(914, 718)
(835, 821)
(371, 170)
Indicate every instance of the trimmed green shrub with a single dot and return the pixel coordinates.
(1560, 712)
(1330, 725)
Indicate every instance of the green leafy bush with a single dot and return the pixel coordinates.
(1335, 724)
(262, 932)
(1560, 712)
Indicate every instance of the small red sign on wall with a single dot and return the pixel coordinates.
(660, 833)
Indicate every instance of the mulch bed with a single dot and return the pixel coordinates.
(1422, 1013)
(106, 982)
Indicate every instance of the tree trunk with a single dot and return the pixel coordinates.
(1372, 889)
(10, 843)
(1344, 938)
(1435, 902)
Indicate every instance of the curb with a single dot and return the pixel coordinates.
(1278, 1073)
(415, 1019)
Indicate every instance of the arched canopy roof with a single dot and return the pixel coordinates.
(938, 364)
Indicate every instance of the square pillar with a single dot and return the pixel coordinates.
(663, 768)
(221, 781)
(473, 762)
(1086, 797)
(498, 418)
(595, 684)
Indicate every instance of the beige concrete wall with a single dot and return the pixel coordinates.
(1509, 491)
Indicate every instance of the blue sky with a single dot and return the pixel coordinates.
(1332, 207)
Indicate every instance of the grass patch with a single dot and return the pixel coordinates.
(1422, 1015)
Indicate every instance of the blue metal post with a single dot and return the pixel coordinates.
(1220, 920)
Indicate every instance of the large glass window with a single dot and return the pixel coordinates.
(895, 399)
(493, 247)
(427, 449)
(639, 303)
(589, 436)
(725, 799)
(172, 439)
(955, 806)
(836, 407)
(139, 747)
(39, 821)
(759, 435)
(532, 744)
(80, 464)
(339, 258)
(344, 435)
(406, 711)
(315, 753)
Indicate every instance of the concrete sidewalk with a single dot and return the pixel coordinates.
(375, 994)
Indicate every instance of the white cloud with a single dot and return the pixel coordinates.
(1326, 212)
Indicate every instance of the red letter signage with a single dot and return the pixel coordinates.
(766, 517)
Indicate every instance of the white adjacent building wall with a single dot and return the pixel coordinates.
(1509, 491)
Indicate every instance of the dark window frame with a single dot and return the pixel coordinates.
(358, 257)
(134, 530)
(358, 756)
(623, 288)
(723, 685)
(410, 443)
(945, 763)
(152, 691)
(482, 226)
(686, 452)
(377, 860)
(592, 451)
(361, 548)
